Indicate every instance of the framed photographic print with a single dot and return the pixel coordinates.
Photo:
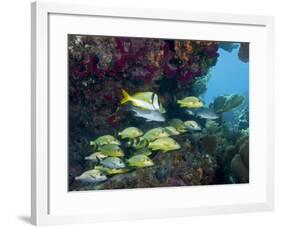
(132, 106)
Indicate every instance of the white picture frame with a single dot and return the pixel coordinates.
(52, 204)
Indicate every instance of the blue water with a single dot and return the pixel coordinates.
(229, 75)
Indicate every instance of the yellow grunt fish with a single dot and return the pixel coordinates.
(111, 150)
(190, 102)
(178, 125)
(155, 133)
(140, 161)
(103, 140)
(144, 151)
(192, 125)
(131, 133)
(164, 144)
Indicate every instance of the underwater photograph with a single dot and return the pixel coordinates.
(152, 112)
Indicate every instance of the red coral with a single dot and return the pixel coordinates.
(113, 120)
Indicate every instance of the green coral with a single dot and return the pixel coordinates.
(227, 103)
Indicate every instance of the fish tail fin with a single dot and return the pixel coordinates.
(126, 96)
(179, 102)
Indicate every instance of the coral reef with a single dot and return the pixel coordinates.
(239, 169)
(200, 85)
(209, 144)
(226, 103)
(243, 118)
(235, 160)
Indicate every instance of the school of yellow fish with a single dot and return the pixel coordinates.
(108, 156)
